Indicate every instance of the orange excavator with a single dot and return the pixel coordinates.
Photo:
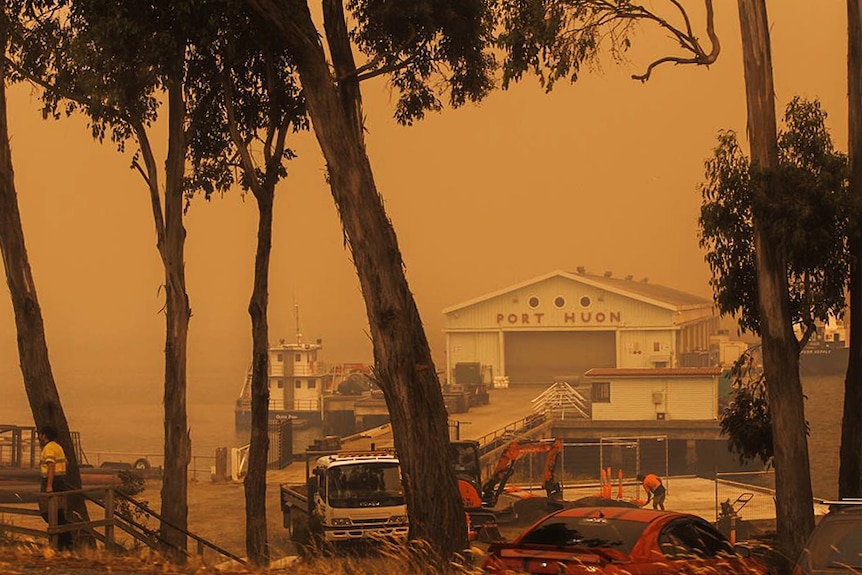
(496, 484)
(482, 501)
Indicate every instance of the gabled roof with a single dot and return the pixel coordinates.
(651, 371)
(658, 295)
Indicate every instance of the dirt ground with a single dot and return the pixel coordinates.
(217, 514)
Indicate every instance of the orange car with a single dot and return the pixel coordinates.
(620, 540)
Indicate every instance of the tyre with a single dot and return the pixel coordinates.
(142, 464)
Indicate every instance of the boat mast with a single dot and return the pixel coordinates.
(296, 316)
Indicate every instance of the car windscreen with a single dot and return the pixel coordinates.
(372, 484)
(590, 532)
(836, 544)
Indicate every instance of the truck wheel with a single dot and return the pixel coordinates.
(142, 464)
(300, 533)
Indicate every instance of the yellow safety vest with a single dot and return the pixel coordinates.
(52, 453)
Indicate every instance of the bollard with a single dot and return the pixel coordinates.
(220, 464)
(733, 528)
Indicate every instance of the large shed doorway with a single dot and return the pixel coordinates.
(540, 357)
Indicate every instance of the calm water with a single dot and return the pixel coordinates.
(126, 417)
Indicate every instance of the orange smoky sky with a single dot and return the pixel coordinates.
(601, 174)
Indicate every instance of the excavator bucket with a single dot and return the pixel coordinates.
(489, 533)
(483, 526)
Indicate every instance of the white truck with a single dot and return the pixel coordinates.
(348, 496)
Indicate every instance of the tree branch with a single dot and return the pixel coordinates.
(688, 41)
(152, 180)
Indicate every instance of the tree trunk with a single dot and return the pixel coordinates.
(404, 368)
(255, 480)
(850, 472)
(793, 497)
(39, 382)
(177, 442)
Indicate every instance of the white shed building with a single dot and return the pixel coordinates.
(637, 394)
(559, 325)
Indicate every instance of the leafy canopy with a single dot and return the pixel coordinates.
(746, 420)
(810, 217)
(809, 214)
(419, 40)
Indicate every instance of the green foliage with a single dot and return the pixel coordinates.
(808, 212)
(242, 78)
(417, 41)
(131, 484)
(553, 39)
(114, 59)
(746, 420)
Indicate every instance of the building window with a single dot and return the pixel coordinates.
(533, 302)
(601, 392)
(312, 383)
(279, 357)
(297, 357)
(559, 302)
(279, 383)
(656, 346)
(297, 384)
(586, 301)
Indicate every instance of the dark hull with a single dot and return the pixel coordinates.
(242, 417)
(823, 360)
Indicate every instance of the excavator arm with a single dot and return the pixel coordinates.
(496, 484)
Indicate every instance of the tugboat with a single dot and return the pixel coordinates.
(297, 381)
(298, 384)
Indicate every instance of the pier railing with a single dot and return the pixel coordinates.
(502, 436)
(19, 449)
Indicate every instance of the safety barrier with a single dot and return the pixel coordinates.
(103, 530)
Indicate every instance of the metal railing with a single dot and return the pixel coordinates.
(500, 437)
(114, 518)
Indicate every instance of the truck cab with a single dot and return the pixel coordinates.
(350, 496)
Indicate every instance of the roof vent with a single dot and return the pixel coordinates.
(645, 280)
(608, 274)
(629, 277)
(582, 270)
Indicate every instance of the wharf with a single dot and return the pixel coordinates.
(690, 494)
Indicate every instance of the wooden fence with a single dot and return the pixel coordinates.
(102, 529)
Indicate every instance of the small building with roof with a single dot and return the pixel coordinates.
(557, 326)
(664, 393)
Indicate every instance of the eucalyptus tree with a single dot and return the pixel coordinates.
(424, 48)
(811, 218)
(254, 104)
(415, 42)
(120, 62)
(850, 470)
(793, 510)
(17, 21)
